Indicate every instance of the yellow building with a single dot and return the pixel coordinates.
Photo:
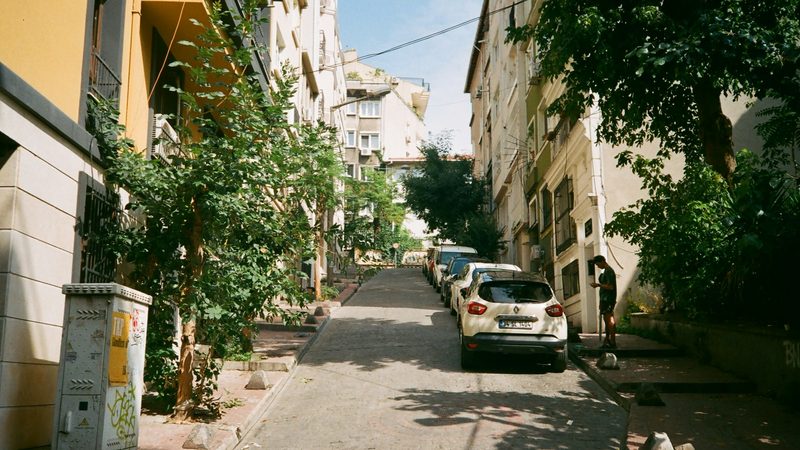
(54, 56)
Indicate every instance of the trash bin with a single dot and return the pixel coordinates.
(100, 376)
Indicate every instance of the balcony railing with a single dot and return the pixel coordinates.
(103, 82)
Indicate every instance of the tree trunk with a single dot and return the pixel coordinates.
(195, 256)
(716, 132)
(184, 406)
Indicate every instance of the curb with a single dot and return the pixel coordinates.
(237, 433)
(574, 356)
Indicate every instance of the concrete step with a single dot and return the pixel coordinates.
(676, 374)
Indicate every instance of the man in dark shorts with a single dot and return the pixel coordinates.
(608, 299)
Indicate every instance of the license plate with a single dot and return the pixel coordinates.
(523, 324)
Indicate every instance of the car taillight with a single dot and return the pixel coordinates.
(555, 310)
(476, 308)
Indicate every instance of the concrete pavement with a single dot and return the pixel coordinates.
(702, 405)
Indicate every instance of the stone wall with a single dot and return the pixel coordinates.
(770, 357)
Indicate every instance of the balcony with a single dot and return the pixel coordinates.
(103, 82)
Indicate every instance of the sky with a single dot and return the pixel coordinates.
(371, 26)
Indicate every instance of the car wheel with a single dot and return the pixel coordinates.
(559, 363)
(452, 312)
(468, 358)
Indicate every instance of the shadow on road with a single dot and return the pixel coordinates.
(562, 420)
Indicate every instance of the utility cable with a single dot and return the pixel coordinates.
(418, 40)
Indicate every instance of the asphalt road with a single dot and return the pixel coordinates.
(385, 374)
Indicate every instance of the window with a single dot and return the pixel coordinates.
(566, 231)
(350, 170)
(369, 142)
(533, 213)
(106, 49)
(587, 228)
(100, 209)
(350, 108)
(350, 138)
(547, 208)
(370, 108)
(569, 279)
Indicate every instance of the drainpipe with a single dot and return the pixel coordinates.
(598, 199)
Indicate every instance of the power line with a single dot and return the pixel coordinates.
(420, 39)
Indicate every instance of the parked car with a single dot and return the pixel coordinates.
(453, 269)
(442, 257)
(426, 261)
(468, 274)
(512, 313)
(430, 263)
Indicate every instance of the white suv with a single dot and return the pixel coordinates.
(442, 256)
(464, 278)
(512, 312)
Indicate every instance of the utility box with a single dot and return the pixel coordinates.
(100, 378)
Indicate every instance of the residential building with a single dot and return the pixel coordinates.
(55, 56)
(498, 126)
(568, 180)
(384, 125)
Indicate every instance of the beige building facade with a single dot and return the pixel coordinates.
(568, 181)
(384, 125)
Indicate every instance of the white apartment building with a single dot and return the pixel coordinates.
(499, 128)
(384, 125)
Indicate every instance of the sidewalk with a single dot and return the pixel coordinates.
(277, 350)
(702, 405)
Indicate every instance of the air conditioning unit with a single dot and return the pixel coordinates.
(308, 115)
(479, 92)
(165, 139)
(366, 151)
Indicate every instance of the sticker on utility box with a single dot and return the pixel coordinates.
(118, 356)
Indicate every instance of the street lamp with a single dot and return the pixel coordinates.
(369, 95)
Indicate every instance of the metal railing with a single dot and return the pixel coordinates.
(103, 82)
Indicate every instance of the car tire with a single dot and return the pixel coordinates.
(452, 312)
(559, 363)
(468, 359)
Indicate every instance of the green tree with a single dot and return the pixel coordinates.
(716, 252)
(657, 69)
(224, 221)
(444, 191)
(373, 217)
(447, 195)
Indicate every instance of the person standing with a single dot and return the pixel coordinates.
(608, 299)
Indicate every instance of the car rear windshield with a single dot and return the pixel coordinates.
(515, 292)
(458, 265)
(445, 257)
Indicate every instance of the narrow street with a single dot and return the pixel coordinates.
(385, 373)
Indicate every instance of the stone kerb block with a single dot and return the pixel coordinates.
(657, 441)
(647, 395)
(199, 438)
(322, 311)
(258, 381)
(608, 361)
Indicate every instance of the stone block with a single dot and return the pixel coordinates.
(27, 384)
(647, 395)
(199, 438)
(26, 427)
(311, 320)
(608, 361)
(29, 342)
(258, 381)
(657, 441)
(322, 311)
